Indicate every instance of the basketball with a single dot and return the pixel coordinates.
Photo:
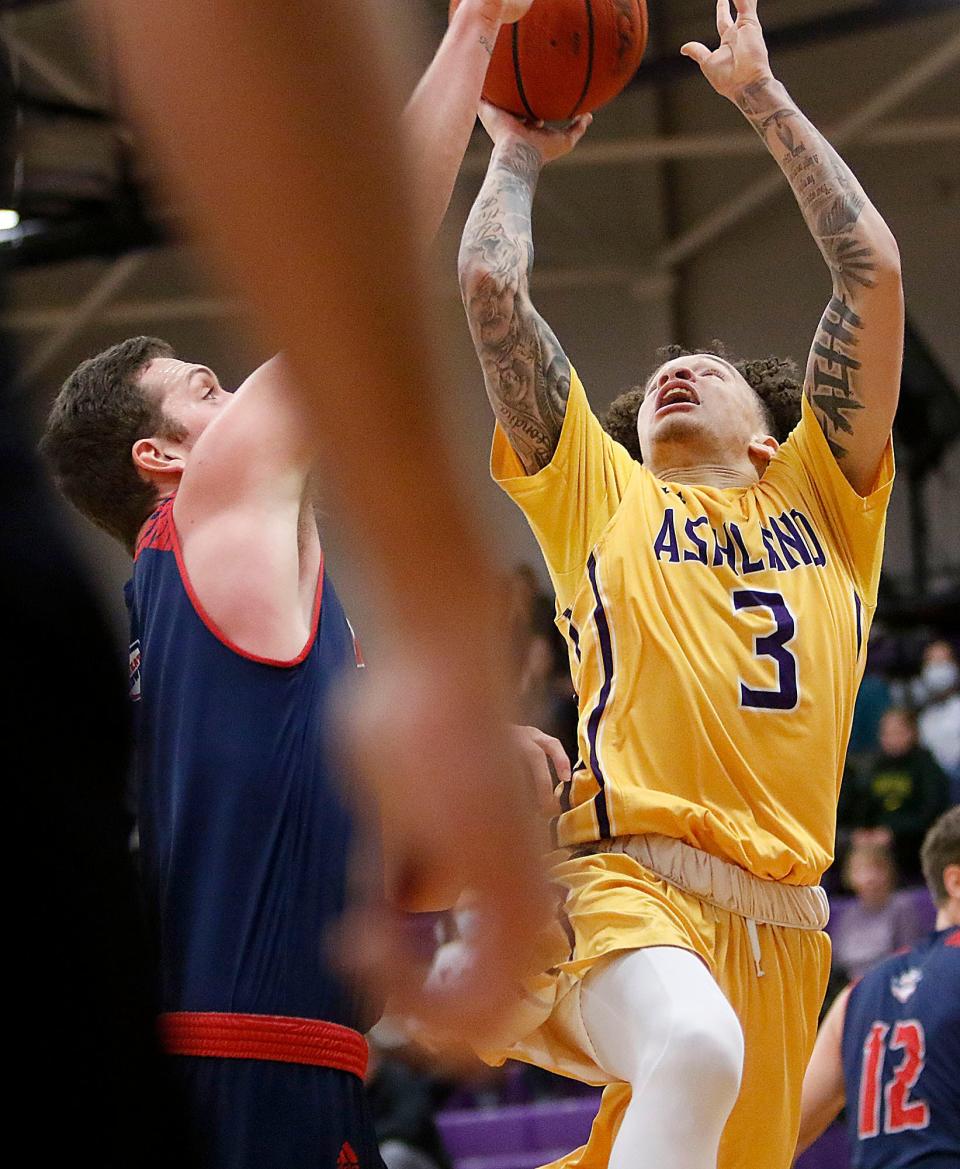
(566, 57)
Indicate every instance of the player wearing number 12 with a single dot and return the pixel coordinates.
(889, 1048)
(716, 598)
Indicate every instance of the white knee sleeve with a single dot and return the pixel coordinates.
(658, 1021)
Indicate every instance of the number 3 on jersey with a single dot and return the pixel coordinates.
(786, 695)
(899, 1112)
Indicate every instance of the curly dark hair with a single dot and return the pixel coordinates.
(98, 415)
(774, 380)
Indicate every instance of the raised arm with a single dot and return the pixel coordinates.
(527, 374)
(853, 372)
(442, 112)
(292, 123)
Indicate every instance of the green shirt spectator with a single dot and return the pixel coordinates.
(901, 791)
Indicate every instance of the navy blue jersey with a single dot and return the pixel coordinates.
(901, 1059)
(244, 834)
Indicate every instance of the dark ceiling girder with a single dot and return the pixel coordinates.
(4, 4)
(106, 234)
(51, 108)
(828, 26)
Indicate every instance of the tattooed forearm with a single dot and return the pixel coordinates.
(526, 373)
(851, 360)
(831, 199)
(831, 372)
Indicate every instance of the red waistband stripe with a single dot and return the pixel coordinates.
(276, 1038)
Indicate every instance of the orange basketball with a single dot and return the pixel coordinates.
(566, 57)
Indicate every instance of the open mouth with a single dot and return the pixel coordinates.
(676, 395)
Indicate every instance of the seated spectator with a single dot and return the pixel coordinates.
(881, 920)
(937, 698)
(902, 790)
(874, 696)
(873, 700)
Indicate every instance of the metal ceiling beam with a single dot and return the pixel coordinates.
(632, 150)
(852, 129)
(58, 79)
(110, 284)
(138, 313)
(46, 107)
(133, 312)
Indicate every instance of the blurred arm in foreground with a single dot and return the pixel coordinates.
(281, 138)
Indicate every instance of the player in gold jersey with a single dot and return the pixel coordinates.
(716, 599)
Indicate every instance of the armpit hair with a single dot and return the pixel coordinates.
(775, 381)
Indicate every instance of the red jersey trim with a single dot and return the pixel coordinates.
(155, 532)
(160, 532)
(274, 1038)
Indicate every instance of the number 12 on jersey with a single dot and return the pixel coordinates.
(892, 1104)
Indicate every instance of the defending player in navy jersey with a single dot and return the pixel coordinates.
(322, 285)
(889, 1048)
(238, 641)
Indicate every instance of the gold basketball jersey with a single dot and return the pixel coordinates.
(717, 640)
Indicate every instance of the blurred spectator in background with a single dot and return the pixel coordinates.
(403, 1100)
(936, 695)
(880, 920)
(544, 694)
(874, 697)
(899, 794)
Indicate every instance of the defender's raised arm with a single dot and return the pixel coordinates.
(442, 112)
(853, 373)
(526, 372)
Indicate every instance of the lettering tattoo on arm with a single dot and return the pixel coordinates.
(832, 202)
(526, 372)
(831, 372)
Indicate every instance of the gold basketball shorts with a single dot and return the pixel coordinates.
(762, 941)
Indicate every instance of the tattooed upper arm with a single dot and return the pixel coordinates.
(831, 371)
(526, 372)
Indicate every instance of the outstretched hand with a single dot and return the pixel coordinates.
(549, 142)
(741, 58)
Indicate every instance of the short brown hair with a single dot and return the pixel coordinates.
(941, 847)
(98, 415)
(773, 379)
